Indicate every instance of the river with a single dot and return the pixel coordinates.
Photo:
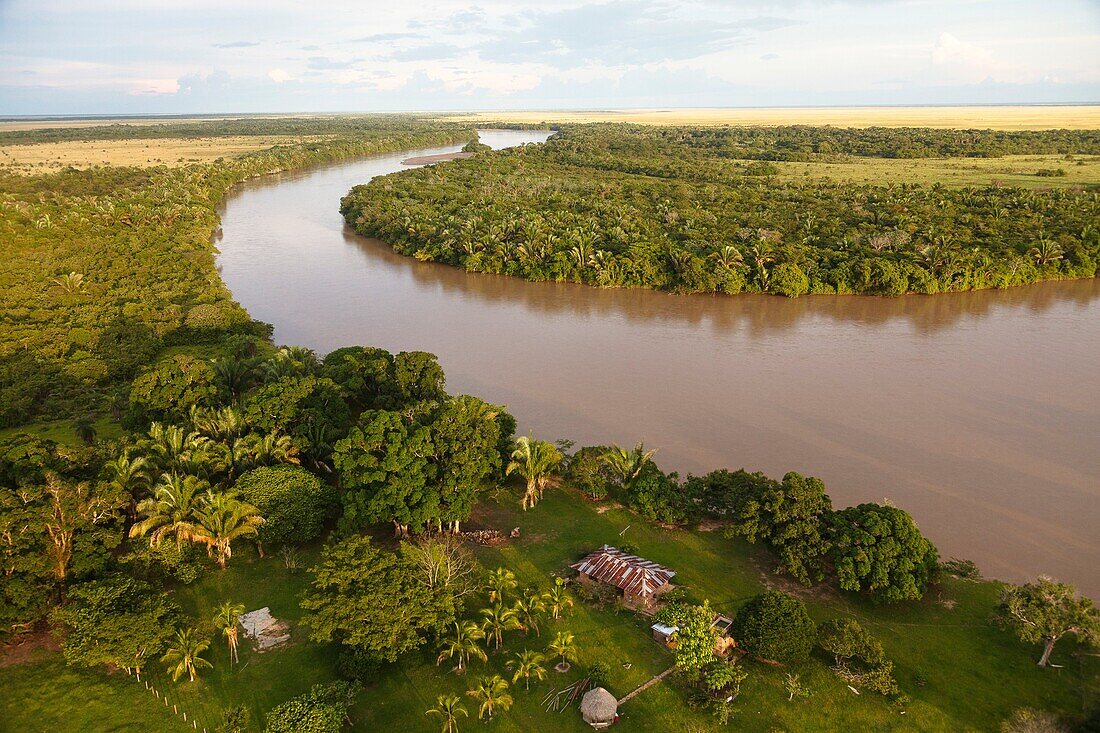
(979, 413)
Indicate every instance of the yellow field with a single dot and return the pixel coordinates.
(20, 125)
(45, 157)
(1084, 117)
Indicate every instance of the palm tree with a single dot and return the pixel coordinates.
(1045, 251)
(492, 692)
(527, 664)
(130, 476)
(222, 519)
(563, 646)
(171, 510)
(557, 599)
(500, 582)
(186, 654)
(71, 282)
(628, 464)
(498, 619)
(528, 607)
(448, 708)
(536, 461)
(463, 643)
(227, 617)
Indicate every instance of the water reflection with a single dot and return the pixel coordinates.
(759, 314)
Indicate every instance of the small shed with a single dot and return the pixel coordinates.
(599, 708)
(264, 629)
(662, 633)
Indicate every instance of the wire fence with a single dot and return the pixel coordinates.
(184, 705)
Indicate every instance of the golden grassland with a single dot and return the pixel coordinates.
(22, 125)
(1010, 170)
(46, 157)
(1078, 117)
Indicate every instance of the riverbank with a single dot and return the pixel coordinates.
(438, 158)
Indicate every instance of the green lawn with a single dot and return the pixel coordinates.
(970, 674)
(61, 431)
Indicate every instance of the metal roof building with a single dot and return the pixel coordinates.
(635, 576)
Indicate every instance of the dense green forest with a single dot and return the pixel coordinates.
(703, 210)
(373, 512)
(104, 268)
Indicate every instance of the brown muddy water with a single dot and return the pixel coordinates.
(977, 412)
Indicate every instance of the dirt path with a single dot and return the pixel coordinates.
(645, 686)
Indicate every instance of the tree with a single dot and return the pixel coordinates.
(419, 376)
(463, 644)
(298, 406)
(366, 375)
(528, 608)
(557, 599)
(498, 619)
(877, 549)
(293, 502)
(223, 518)
(383, 468)
(369, 599)
(789, 517)
(465, 436)
(775, 626)
(443, 565)
(448, 708)
(1028, 720)
(722, 677)
(185, 654)
(1045, 610)
(536, 461)
(858, 656)
(227, 617)
(563, 646)
(695, 637)
(72, 510)
(171, 388)
(492, 693)
(324, 709)
(527, 664)
(116, 621)
(627, 465)
(84, 429)
(501, 582)
(171, 510)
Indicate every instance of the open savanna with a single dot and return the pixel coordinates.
(37, 158)
(1009, 170)
(961, 673)
(1072, 117)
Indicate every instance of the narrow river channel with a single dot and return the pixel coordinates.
(977, 412)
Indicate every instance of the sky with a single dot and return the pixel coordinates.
(212, 56)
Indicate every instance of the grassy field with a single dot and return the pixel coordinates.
(961, 673)
(49, 157)
(1076, 117)
(1011, 170)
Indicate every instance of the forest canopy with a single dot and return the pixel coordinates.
(702, 210)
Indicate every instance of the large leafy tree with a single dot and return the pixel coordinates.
(366, 375)
(695, 637)
(294, 503)
(302, 407)
(384, 469)
(418, 376)
(877, 549)
(789, 516)
(1045, 610)
(370, 599)
(171, 388)
(536, 461)
(465, 439)
(116, 621)
(775, 626)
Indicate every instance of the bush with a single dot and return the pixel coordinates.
(589, 473)
(775, 626)
(324, 709)
(599, 674)
(357, 665)
(293, 502)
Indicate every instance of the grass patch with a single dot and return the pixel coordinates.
(961, 673)
(61, 431)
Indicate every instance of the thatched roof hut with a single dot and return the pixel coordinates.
(599, 708)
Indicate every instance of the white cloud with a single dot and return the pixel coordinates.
(279, 76)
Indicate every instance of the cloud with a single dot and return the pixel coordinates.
(385, 37)
(974, 63)
(279, 76)
(769, 57)
(324, 63)
(237, 44)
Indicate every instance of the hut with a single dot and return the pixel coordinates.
(639, 580)
(599, 708)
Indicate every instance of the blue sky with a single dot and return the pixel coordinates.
(205, 56)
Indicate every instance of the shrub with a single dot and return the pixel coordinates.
(775, 626)
(323, 709)
(293, 502)
(171, 388)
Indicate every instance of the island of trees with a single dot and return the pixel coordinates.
(711, 210)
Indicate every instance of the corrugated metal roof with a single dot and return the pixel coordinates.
(634, 575)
